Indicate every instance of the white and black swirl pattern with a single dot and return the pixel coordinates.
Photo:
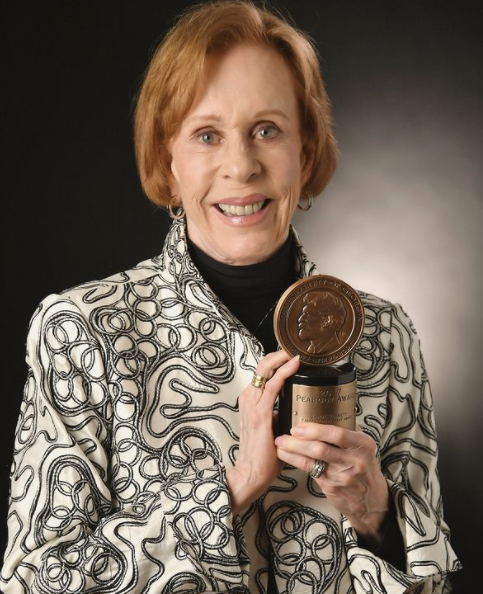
(129, 423)
(306, 547)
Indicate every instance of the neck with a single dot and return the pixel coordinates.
(250, 291)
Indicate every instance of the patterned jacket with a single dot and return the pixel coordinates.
(129, 423)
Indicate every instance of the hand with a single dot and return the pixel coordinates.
(352, 480)
(257, 463)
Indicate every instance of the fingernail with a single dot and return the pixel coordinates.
(294, 359)
(297, 431)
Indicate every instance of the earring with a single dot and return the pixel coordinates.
(180, 212)
(308, 206)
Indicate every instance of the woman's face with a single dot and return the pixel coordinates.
(237, 159)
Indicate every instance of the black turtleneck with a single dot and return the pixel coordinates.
(250, 292)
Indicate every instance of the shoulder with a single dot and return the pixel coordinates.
(109, 294)
(384, 313)
(389, 337)
(100, 289)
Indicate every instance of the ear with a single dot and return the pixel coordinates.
(307, 159)
(173, 182)
(170, 168)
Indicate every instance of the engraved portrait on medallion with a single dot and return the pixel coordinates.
(319, 318)
(321, 322)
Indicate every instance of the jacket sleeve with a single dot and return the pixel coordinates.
(66, 531)
(405, 429)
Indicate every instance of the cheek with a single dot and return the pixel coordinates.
(185, 179)
(192, 172)
(288, 169)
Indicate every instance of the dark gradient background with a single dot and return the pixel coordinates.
(402, 218)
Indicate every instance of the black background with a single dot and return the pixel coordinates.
(72, 203)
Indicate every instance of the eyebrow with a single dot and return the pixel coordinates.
(267, 112)
(216, 118)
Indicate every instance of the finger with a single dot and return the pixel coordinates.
(274, 368)
(275, 384)
(332, 434)
(333, 477)
(298, 461)
(314, 450)
(265, 370)
(271, 362)
(352, 445)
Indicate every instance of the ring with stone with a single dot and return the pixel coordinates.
(317, 469)
(258, 381)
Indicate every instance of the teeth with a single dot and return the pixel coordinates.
(235, 210)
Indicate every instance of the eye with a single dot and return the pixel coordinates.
(267, 131)
(207, 137)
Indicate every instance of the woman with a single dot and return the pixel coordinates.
(145, 459)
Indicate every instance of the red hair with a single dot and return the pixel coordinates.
(177, 66)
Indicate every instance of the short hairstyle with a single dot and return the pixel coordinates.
(327, 305)
(176, 68)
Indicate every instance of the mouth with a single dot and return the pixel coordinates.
(242, 210)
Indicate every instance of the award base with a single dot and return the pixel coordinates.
(319, 394)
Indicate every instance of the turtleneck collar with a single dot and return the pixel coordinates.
(261, 277)
(251, 291)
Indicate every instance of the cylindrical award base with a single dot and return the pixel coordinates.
(323, 394)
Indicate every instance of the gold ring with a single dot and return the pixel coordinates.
(317, 469)
(258, 381)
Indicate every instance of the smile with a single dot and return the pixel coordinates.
(237, 210)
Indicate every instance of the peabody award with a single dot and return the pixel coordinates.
(320, 318)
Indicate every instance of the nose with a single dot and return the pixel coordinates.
(240, 161)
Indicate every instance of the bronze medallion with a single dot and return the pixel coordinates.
(320, 318)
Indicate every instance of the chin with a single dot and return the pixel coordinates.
(251, 252)
(246, 259)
